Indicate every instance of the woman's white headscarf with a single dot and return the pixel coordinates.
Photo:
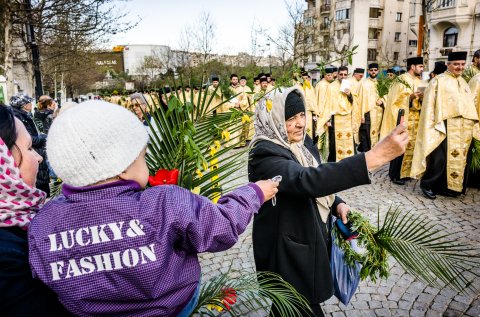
(270, 125)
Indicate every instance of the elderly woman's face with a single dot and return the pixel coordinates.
(295, 127)
(25, 156)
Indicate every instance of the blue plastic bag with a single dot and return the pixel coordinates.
(345, 277)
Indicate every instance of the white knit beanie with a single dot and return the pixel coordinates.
(94, 141)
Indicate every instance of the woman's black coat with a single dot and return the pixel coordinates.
(290, 238)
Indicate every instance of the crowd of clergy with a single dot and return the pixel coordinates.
(442, 116)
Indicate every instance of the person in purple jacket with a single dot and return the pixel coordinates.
(108, 247)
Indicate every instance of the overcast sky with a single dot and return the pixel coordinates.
(161, 21)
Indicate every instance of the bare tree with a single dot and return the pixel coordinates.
(204, 36)
(66, 31)
(428, 6)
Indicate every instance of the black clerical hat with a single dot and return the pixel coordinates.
(440, 68)
(373, 65)
(329, 70)
(359, 71)
(414, 61)
(263, 79)
(243, 77)
(215, 78)
(457, 56)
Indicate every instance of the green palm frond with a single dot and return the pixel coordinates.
(384, 83)
(194, 140)
(418, 245)
(254, 292)
(475, 164)
(323, 146)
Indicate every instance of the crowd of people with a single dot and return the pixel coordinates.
(109, 246)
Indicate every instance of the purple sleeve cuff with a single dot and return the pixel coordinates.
(258, 191)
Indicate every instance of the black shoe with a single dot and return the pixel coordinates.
(428, 193)
(450, 193)
(398, 181)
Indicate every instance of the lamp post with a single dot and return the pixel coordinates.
(269, 58)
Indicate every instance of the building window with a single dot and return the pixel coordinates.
(373, 34)
(343, 14)
(395, 56)
(412, 43)
(375, 13)
(399, 17)
(308, 21)
(413, 7)
(450, 37)
(326, 21)
(314, 57)
(397, 36)
(446, 3)
(372, 54)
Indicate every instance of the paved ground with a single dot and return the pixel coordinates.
(401, 294)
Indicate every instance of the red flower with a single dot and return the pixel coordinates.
(164, 177)
(229, 297)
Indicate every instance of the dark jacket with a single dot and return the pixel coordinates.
(43, 119)
(38, 143)
(290, 238)
(21, 295)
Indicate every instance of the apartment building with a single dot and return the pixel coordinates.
(387, 31)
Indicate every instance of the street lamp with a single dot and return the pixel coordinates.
(269, 58)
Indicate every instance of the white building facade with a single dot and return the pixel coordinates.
(387, 31)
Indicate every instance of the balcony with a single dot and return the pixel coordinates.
(372, 43)
(325, 27)
(325, 8)
(375, 23)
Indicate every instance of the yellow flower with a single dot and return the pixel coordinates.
(245, 118)
(213, 151)
(199, 173)
(226, 135)
(213, 306)
(196, 190)
(213, 162)
(269, 105)
(306, 84)
(217, 144)
(215, 199)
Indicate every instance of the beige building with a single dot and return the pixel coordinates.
(386, 31)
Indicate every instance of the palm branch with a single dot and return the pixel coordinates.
(234, 292)
(195, 141)
(384, 83)
(475, 164)
(417, 244)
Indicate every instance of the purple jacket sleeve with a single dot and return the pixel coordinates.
(199, 225)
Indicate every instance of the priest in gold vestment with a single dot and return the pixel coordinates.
(246, 104)
(214, 93)
(340, 101)
(311, 108)
(404, 94)
(355, 82)
(323, 114)
(448, 122)
(474, 83)
(474, 68)
(369, 118)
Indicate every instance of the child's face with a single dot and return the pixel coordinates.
(137, 171)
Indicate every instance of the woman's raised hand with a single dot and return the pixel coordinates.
(389, 148)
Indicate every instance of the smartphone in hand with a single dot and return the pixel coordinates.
(401, 116)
